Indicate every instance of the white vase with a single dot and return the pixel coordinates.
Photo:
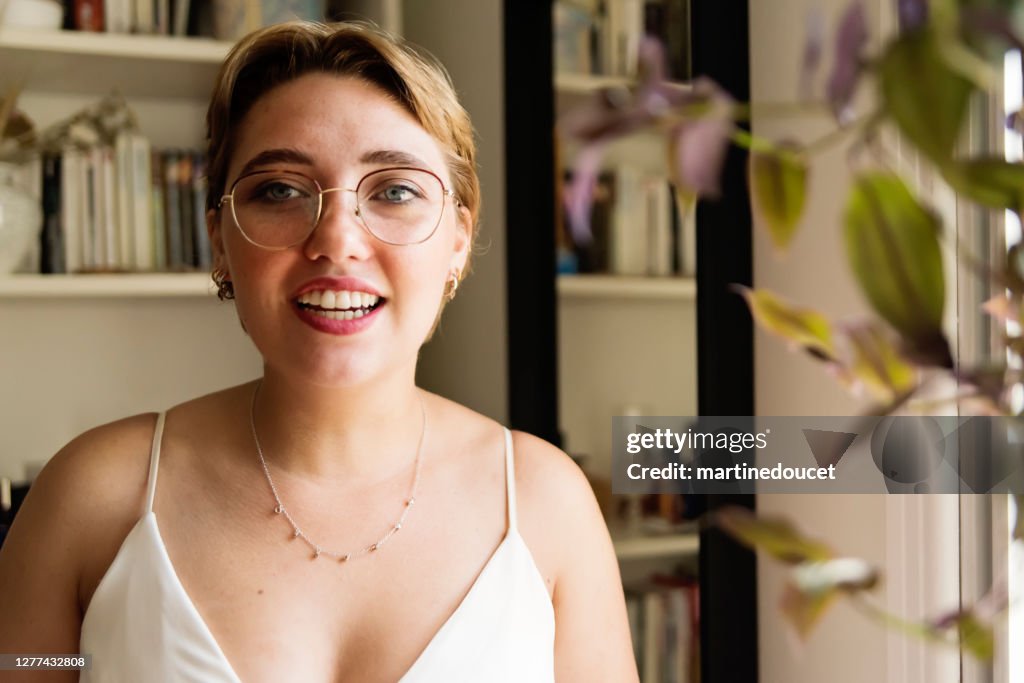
(21, 219)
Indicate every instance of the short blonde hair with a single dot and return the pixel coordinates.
(281, 53)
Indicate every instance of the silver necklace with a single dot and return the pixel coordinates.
(319, 550)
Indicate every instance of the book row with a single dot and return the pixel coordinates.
(637, 228)
(664, 621)
(603, 37)
(126, 208)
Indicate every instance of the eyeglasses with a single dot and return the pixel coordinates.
(279, 209)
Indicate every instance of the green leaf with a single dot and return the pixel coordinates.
(893, 246)
(975, 636)
(804, 327)
(814, 585)
(775, 536)
(877, 364)
(924, 96)
(991, 182)
(778, 184)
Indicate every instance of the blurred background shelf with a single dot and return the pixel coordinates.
(107, 285)
(134, 65)
(626, 287)
(638, 546)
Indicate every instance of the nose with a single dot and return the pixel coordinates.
(339, 235)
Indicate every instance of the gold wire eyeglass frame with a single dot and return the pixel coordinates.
(229, 198)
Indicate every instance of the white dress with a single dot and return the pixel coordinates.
(142, 626)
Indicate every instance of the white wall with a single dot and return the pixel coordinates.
(71, 364)
(467, 360)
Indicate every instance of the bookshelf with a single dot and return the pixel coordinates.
(647, 547)
(601, 286)
(627, 343)
(85, 63)
(109, 286)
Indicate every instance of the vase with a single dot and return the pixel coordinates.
(21, 219)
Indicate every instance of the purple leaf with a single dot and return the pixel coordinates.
(699, 146)
(814, 46)
(851, 37)
(913, 14)
(579, 193)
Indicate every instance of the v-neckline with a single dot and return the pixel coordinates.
(510, 533)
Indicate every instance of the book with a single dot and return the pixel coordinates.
(172, 211)
(141, 219)
(52, 259)
(88, 15)
(125, 200)
(186, 212)
(628, 230)
(205, 256)
(158, 214)
(71, 209)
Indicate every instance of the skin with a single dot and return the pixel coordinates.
(339, 419)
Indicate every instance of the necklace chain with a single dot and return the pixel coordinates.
(297, 532)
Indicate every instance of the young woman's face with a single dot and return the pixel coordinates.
(336, 130)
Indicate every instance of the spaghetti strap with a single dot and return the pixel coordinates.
(510, 481)
(154, 459)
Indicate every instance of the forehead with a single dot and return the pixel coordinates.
(335, 120)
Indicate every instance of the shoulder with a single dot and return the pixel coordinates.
(75, 516)
(557, 509)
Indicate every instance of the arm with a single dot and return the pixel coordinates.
(39, 570)
(592, 641)
(84, 496)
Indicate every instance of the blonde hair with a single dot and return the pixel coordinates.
(281, 53)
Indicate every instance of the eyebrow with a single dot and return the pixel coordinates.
(390, 157)
(276, 156)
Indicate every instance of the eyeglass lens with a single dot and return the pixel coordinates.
(280, 209)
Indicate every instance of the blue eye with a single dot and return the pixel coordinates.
(277, 191)
(399, 193)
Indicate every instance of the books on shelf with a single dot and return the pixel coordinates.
(637, 228)
(126, 208)
(664, 622)
(603, 36)
(146, 17)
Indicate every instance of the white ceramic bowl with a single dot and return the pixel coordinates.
(33, 14)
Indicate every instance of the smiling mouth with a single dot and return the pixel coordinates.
(339, 305)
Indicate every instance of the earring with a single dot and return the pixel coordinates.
(225, 288)
(452, 285)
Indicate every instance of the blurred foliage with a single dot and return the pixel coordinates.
(922, 81)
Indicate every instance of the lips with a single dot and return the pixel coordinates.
(342, 305)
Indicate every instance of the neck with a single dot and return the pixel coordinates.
(354, 434)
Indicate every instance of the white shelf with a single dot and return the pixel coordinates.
(107, 286)
(134, 65)
(647, 547)
(626, 287)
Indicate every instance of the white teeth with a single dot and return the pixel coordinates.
(339, 300)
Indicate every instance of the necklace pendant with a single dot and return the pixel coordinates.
(297, 534)
(344, 558)
(279, 509)
(316, 552)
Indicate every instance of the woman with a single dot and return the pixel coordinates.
(330, 521)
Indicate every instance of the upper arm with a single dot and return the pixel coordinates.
(592, 641)
(75, 501)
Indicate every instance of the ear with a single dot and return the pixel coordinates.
(213, 230)
(463, 238)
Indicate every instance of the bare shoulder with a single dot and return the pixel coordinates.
(557, 509)
(77, 512)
